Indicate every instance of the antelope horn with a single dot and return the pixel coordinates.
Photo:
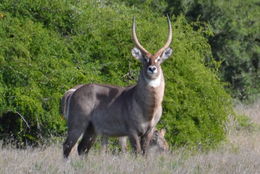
(134, 37)
(169, 38)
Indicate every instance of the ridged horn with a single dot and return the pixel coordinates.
(169, 40)
(135, 39)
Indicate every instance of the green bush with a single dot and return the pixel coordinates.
(235, 42)
(48, 47)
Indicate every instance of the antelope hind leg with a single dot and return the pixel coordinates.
(73, 136)
(87, 141)
(104, 144)
(123, 144)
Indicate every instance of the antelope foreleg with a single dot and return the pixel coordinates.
(135, 142)
(145, 142)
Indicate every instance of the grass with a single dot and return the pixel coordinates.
(239, 154)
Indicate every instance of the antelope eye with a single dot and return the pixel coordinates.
(158, 59)
(147, 59)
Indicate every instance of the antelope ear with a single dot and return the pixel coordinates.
(137, 53)
(166, 54)
(162, 132)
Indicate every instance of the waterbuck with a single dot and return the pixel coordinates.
(133, 111)
(157, 143)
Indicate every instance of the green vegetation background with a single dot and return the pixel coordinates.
(47, 47)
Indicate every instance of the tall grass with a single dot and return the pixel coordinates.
(240, 154)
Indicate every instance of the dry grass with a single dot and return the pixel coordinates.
(252, 110)
(241, 154)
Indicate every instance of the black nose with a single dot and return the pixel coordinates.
(152, 68)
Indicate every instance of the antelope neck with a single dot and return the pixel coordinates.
(149, 94)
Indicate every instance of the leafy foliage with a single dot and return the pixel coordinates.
(235, 42)
(48, 47)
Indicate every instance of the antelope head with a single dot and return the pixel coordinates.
(151, 62)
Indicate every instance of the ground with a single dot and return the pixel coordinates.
(239, 154)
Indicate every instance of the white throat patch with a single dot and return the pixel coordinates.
(154, 82)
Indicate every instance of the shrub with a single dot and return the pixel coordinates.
(44, 52)
(235, 41)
